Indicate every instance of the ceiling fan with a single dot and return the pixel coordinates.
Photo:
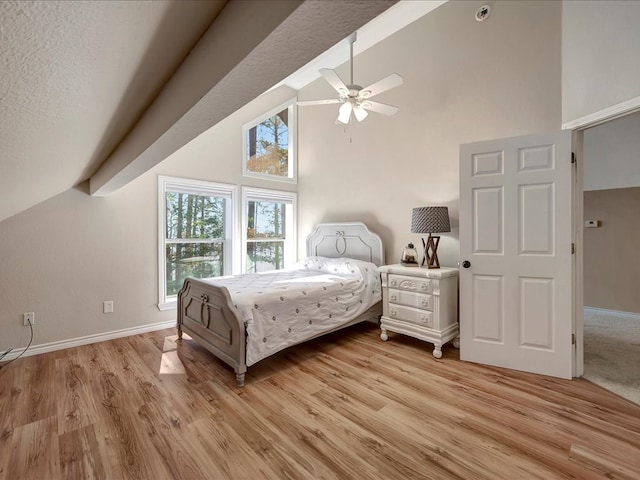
(353, 97)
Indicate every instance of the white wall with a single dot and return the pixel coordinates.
(62, 258)
(600, 59)
(465, 81)
(612, 154)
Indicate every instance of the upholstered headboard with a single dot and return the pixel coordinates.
(348, 239)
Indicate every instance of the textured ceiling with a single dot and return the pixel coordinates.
(74, 78)
(107, 89)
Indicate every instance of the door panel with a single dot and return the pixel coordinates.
(536, 219)
(516, 231)
(536, 316)
(488, 209)
(488, 299)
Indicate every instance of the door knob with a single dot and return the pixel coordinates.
(466, 264)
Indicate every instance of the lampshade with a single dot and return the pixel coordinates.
(344, 112)
(430, 220)
(360, 113)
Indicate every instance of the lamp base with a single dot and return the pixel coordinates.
(430, 251)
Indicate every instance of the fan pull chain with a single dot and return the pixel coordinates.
(347, 129)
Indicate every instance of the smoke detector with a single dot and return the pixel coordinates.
(483, 13)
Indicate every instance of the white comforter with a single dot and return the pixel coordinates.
(286, 307)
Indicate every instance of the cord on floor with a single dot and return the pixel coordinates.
(21, 353)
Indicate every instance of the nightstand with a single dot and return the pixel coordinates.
(420, 302)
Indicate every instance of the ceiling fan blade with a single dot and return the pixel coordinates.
(318, 102)
(334, 80)
(380, 86)
(378, 107)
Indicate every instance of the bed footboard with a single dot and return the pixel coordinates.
(207, 314)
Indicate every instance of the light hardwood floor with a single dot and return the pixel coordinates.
(346, 406)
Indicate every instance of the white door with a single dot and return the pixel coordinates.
(516, 278)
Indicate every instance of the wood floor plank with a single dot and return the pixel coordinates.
(370, 435)
(232, 456)
(602, 463)
(30, 454)
(11, 393)
(75, 400)
(347, 405)
(80, 456)
(29, 388)
(321, 447)
(168, 436)
(253, 417)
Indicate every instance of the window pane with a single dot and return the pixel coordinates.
(264, 256)
(200, 260)
(194, 216)
(265, 219)
(268, 146)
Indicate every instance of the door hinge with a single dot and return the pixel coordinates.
(573, 157)
(573, 248)
(573, 339)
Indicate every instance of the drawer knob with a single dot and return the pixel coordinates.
(393, 282)
(393, 297)
(424, 286)
(393, 311)
(424, 302)
(424, 318)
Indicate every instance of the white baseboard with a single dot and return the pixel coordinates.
(615, 313)
(76, 342)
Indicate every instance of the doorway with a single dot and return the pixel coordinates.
(611, 260)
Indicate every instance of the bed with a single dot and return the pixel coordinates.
(243, 319)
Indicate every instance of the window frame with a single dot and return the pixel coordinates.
(292, 152)
(290, 228)
(194, 187)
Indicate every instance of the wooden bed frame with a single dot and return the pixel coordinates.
(207, 313)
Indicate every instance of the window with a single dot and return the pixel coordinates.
(269, 145)
(196, 229)
(269, 229)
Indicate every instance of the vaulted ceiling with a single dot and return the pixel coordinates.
(105, 90)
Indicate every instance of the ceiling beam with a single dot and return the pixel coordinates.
(251, 46)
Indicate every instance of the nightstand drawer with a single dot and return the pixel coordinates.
(412, 284)
(413, 315)
(411, 299)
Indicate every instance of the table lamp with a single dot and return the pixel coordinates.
(430, 220)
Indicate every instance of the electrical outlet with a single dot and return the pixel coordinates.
(107, 307)
(29, 318)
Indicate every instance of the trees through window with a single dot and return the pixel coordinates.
(196, 233)
(270, 217)
(269, 144)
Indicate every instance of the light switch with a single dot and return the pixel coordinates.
(107, 307)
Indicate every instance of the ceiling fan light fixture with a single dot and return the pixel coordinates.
(360, 113)
(344, 113)
(354, 98)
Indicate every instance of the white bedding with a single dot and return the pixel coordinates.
(286, 307)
